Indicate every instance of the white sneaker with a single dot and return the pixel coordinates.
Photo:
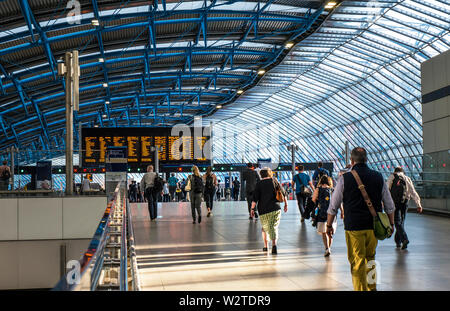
(327, 252)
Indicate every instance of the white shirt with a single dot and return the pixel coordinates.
(410, 190)
(166, 188)
(86, 185)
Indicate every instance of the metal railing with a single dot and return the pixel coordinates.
(109, 263)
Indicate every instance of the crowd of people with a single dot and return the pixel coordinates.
(360, 194)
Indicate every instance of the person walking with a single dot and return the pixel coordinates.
(321, 197)
(195, 188)
(402, 190)
(210, 181)
(319, 172)
(150, 193)
(5, 175)
(301, 181)
(166, 193)
(264, 198)
(250, 178)
(358, 220)
(236, 189)
(173, 182)
(183, 189)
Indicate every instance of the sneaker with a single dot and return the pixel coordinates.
(398, 245)
(274, 250)
(264, 249)
(327, 252)
(405, 244)
(251, 218)
(209, 214)
(199, 219)
(193, 221)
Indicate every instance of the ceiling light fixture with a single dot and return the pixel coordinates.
(105, 84)
(330, 5)
(219, 106)
(101, 60)
(95, 22)
(289, 45)
(107, 102)
(240, 91)
(261, 71)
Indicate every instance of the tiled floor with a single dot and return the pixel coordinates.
(224, 252)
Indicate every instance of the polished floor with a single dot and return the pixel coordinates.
(224, 252)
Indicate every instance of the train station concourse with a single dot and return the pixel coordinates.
(195, 147)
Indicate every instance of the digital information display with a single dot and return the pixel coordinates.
(139, 142)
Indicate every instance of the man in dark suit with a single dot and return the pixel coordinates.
(250, 178)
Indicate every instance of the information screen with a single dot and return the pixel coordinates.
(173, 147)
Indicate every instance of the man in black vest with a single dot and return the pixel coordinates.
(358, 221)
(250, 177)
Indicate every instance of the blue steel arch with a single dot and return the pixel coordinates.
(153, 73)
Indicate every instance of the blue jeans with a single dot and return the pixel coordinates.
(399, 221)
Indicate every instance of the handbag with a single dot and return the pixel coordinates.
(304, 190)
(278, 191)
(188, 185)
(381, 224)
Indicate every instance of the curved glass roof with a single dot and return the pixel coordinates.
(356, 79)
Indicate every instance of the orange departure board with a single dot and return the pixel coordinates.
(146, 144)
(188, 148)
(119, 141)
(199, 144)
(139, 143)
(133, 148)
(91, 144)
(175, 147)
(104, 143)
(161, 141)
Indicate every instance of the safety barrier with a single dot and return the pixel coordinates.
(109, 263)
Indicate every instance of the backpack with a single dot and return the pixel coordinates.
(398, 189)
(5, 175)
(322, 172)
(323, 203)
(209, 182)
(158, 184)
(197, 184)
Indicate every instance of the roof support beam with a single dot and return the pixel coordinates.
(29, 17)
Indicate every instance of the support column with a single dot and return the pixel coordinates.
(71, 71)
(69, 125)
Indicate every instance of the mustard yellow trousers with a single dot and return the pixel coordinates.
(361, 248)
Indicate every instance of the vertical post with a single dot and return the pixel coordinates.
(12, 167)
(62, 260)
(347, 154)
(69, 124)
(157, 159)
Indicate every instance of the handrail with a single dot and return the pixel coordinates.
(136, 285)
(92, 259)
(97, 268)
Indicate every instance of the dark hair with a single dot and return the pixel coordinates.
(249, 164)
(173, 174)
(320, 164)
(209, 170)
(264, 173)
(398, 169)
(5, 162)
(324, 180)
(359, 155)
(301, 167)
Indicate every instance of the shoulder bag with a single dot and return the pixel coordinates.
(188, 185)
(278, 191)
(381, 224)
